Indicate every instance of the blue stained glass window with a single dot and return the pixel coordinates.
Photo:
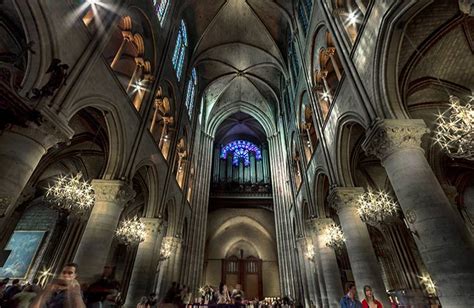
(161, 9)
(303, 18)
(294, 64)
(240, 150)
(308, 4)
(180, 50)
(191, 92)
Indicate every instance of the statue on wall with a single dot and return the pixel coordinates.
(58, 73)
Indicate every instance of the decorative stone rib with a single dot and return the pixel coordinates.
(389, 136)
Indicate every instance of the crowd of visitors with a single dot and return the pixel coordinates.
(65, 291)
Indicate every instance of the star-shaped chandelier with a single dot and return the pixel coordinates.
(376, 206)
(455, 130)
(71, 193)
(131, 231)
(334, 237)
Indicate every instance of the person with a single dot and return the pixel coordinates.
(369, 300)
(63, 291)
(223, 297)
(171, 293)
(24, 298)
(238, 294)
(9, 293)
(349, 300)
(143, 303)
(152, 300)
(104, 292)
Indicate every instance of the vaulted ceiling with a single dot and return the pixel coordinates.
(239, 50)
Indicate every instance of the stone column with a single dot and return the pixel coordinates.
(305, 272)
(443, 241)
(364, 264)
(329, 267)
(144, 267)
(110, 199)
(21, 149)
(317, 279)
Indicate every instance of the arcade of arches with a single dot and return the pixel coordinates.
(236, 134)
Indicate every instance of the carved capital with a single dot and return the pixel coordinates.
(152, 226)
(344, 197)
(115, 191)
(320, 224)
(451, 192)
(51, 129)
(389, 136)
(5, 202)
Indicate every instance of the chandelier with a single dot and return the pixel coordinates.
(168, 245)
(376, 206)
(309, 254)
(334, 237)
(131, 231)
(428, 283)
(71, 193)
(455, 130)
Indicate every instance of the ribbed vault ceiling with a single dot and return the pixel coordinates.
(239, 48)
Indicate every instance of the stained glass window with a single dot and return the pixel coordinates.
(308, 4)
(303, 18)
(292, 57)
(240, 150)
(191, 92)
(180, 50)
(161, 9)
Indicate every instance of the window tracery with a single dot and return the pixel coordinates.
(180, 50)
(191, 93)
(240, 151)
(161, 8)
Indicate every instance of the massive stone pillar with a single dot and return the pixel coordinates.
(443, 241)
(364, 264)
(21, 149)
(329, 267)
(110, 199)
(146, 261)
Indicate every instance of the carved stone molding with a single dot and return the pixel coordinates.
(113, 191)
(5, 202)
(320, 224)
(52, 130)
(451, 192)
(344, 197)
(389, 136)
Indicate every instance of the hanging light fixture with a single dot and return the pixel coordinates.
(428, 284)
(376, 206)
(131, 232)
(71, 193)
(334, 237)
(309, 254)
(455, 130)
(169, 244)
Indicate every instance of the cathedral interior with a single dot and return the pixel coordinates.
(292, 147)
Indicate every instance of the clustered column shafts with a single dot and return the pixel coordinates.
(364, 264)
(195, 252)
(444, 243)
(111, 197)
(285, 233)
